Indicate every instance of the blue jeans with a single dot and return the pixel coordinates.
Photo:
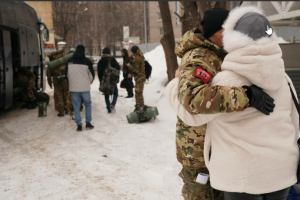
(114, 99)
(77, 97)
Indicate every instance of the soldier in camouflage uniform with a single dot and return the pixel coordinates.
(56, 77)
(26, 81)
(201, 61)
(137, 66)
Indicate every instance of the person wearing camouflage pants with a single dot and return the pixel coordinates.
(137, 66)
(202, 56)
(56, 77)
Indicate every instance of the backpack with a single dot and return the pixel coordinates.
(110, 79)
(41, 97)
(148, 69)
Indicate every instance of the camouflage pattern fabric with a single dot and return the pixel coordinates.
(199, 97)
(192, 190)
(61, 93)
(194, 94)
(55, 77)
(139, 88)
(28, 88)
(110, 79)
(26, 81)
(138, 69)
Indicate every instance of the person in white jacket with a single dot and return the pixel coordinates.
(250, 155)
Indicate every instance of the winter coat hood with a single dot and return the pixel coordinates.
(194, 39)
(78, 55)
(260, 61)
(139, 53)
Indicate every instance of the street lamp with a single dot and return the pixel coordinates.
(61, 45)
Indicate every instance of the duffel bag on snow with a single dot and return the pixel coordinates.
(142, 114)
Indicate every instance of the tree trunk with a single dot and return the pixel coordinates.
(190, 18)
(223, 4)
(203, 6)
(168, 39)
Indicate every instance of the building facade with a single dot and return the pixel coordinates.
(155, 25)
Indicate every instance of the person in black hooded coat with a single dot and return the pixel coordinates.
(102, 64)
(127, 74)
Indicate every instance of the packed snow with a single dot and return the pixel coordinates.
(45, 158)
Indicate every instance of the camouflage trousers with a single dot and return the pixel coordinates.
(195, 191)
(139, 88)
(28, 87)
(61, 95)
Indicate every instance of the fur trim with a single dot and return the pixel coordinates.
(262, 65)
(259, 61)
(230, 36)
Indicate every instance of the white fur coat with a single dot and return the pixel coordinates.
(250, 152)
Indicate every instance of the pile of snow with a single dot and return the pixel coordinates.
(159, 77)
(45, 158)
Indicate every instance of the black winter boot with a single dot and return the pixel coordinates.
(79, 128)
(89, 126)
(60, 115)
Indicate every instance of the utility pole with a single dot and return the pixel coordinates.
(145, 26)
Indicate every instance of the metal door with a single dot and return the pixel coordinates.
(8, 69)
(23, 46)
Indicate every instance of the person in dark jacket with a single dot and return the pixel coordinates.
(102, 64)
(127, 74)
(81, 74)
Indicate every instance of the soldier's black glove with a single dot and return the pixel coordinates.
(259, 99)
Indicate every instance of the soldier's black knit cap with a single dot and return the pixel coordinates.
(134, 49)
(213, 20)
(106, 50)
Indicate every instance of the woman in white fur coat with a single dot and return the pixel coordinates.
(253, 156)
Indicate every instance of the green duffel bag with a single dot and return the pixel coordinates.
(138, 116)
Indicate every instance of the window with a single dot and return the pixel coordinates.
(161, 31)
(159, 17)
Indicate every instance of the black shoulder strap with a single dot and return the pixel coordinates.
(294, 99)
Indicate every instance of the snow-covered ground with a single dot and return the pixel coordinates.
(45, 158)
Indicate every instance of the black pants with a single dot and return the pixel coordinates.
(279, 195)
(129, 87)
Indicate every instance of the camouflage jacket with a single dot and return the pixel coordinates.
(201, 61)
(24, 71)
(54, 73)
(138, 66)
